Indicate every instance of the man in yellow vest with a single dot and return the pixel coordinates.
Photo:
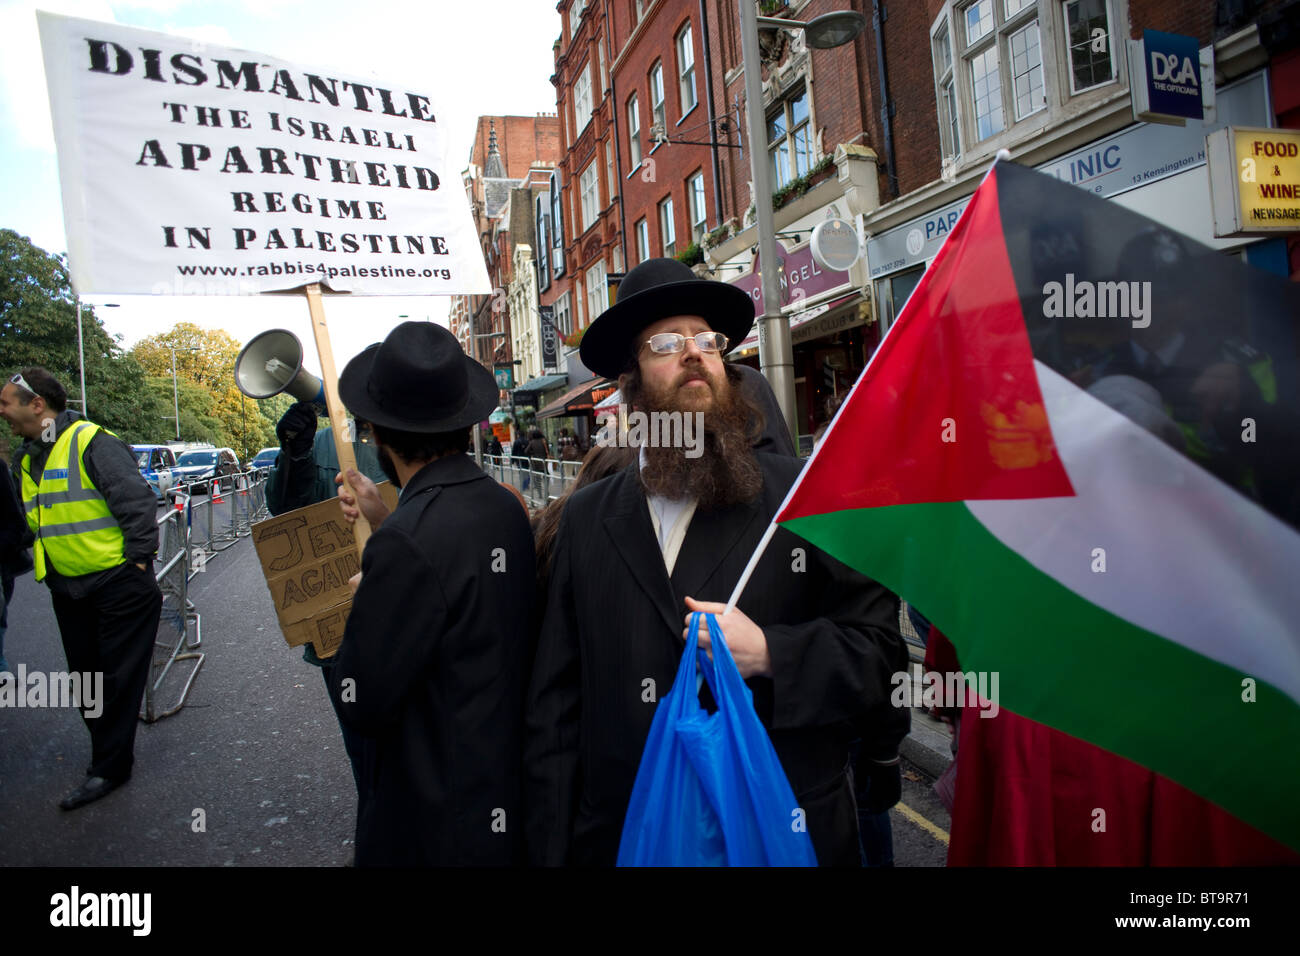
(95, 522)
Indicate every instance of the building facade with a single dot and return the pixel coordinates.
(510, 163)
(891, 133)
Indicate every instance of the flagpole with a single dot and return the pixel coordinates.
(1002, 155)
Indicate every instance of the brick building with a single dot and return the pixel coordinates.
(891, 132)
(510, 162)
(1049, 81)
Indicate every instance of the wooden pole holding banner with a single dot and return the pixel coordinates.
(337, 415)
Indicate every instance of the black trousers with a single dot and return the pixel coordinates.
(112, 630)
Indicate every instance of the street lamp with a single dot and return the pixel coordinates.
(81, 354)
(176, 402)
(775, 349)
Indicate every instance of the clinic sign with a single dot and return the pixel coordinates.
(1129, 159)
(1254, 180)
(1165, 74)
(190, 168)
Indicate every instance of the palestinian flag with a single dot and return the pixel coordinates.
(1077, 453)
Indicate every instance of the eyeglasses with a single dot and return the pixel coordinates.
(667, 343)
(17, 379)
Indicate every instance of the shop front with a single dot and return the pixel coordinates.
(1156, 170)
(832, 329)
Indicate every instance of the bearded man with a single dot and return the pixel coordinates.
(815, 641)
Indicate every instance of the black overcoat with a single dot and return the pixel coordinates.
(438, 644)
(614, 620)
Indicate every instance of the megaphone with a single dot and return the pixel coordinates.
(271, 363)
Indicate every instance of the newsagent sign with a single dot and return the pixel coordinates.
(191, 168)
(1254, 180)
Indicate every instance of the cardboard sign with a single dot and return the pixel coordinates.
(193, 169)
(307, 556)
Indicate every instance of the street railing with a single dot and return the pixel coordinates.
(539, 480)
(179, 618)
(244, 492)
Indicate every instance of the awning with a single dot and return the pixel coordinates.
(579, 400)
(798, 319)
(527, 393)
(609, 404)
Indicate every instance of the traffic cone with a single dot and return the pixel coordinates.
(216, 494)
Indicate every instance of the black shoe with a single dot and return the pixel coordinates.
(91, 790)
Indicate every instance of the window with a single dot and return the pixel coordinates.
(604, 76)
(789, 140)
(563, 318)
(986, 84)
(638, 10)
(543, 241)
(948, 130)
(597, 295)
(590, 193)
(686, 69)
(582, 101)
(988, 68)
(642, 240)
(667, 231)
(699, 213)
(575, 16)
(657, 94)
(1027, 71)
(557, 227)
(611, 184)
(1087, 27)
(634, 132)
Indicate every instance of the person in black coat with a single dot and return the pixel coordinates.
(816, 642)
(434, 657)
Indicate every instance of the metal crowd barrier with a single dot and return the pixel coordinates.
(184, 548)
(245, 495)
(540, 480)
(179, 615)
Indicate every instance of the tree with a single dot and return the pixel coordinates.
(38, 326)
(205, 357)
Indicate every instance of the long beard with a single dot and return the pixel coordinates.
(727, 472)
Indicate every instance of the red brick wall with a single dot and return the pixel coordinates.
(842, 105)
(667, 168)
(521, 140)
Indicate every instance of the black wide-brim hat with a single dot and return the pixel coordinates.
(659, 289)
(418, 379)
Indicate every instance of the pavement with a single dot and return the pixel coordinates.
(251, 772)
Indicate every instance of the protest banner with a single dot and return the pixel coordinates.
(307, 556)
(189, 168)
(194, 169)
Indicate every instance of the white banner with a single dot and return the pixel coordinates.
(192, 169)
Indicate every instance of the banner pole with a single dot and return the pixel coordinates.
(337, 416)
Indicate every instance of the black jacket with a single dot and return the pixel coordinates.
(614, 619)
(113, 468)
(437, 647)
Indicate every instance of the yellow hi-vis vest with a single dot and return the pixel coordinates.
(67, 513)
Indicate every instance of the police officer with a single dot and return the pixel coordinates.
(95, 522)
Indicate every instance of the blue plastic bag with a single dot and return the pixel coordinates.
(710, 790)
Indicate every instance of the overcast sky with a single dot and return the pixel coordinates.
(494, 56)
